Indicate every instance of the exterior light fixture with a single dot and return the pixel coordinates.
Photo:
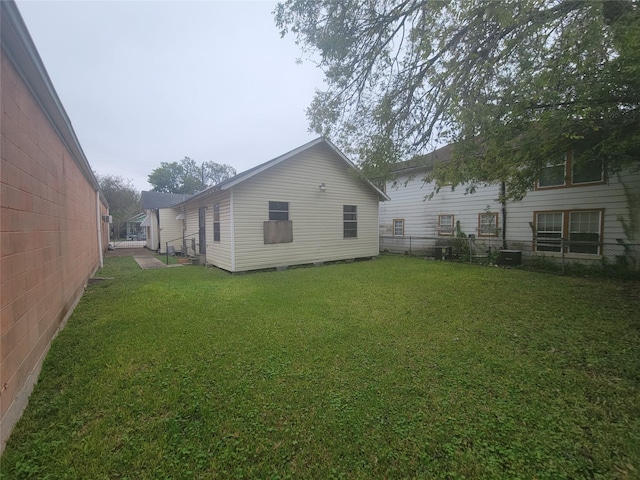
(323, 188)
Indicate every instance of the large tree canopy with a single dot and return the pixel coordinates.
(187, 177)
(512, 84)
(122, 197)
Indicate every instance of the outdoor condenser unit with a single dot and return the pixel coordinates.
(442, 253)
(511, 258)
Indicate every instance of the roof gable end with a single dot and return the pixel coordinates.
(252, 172)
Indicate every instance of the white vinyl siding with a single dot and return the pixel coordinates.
(610, 198)
(422, 215)
(408, 193)
(170, 229)
(316, 215)
(218, 253)
(152, 230)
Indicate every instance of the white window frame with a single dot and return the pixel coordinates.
(552, 165)
(554, 245)
(276, 209)
(350, 221)
(589, 244)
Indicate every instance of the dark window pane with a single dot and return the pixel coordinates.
(350, 231)
(278, 215)
(587, 170)
(279, 206)
(584, 243)
(548, 243)
(350, 217)
(278, 210)
(552, 175)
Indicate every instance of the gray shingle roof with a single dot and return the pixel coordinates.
(155, 200)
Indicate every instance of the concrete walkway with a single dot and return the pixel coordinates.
(147, 263)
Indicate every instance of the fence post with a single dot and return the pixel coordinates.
(166, 248)
(562, 250)
(410, 252)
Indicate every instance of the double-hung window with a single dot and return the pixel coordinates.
(445, 225)
(577, 231)
(488, 224)
(278, 210)
(216, 222)
(398, 227)
(549, 231)
(575, 169)
(586, 170)
(584, 232)
(350, 221)
(553, 174)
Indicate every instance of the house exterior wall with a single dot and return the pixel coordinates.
(421, 215)
(191, 221)
(609, 197)
(152, 231)
(170, 229)
(219, 253)
(317, 216)
(50, 219)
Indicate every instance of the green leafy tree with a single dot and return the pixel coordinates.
(215, 173)
(511, 84)
(123, 199)
(187, 176)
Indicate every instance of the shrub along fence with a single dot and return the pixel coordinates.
(551, 254)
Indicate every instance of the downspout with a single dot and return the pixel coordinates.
(99, 221)
(232, 231)
(503, 202)
(158, 224)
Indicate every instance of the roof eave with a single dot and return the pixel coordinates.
(23, 54)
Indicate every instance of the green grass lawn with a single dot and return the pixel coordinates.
(392, 368)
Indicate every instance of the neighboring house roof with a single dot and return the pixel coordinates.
(241, 177)
(138, 218)
(155, 200)
(423, 162)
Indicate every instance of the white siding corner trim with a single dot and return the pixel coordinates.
(232, 223)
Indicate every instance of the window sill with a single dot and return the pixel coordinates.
(571, 256)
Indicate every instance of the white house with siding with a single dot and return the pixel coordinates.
(308, 206)
(595, 213)
(163, 224)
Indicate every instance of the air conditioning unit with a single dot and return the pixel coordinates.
(442, 253)
(107, 218)
(511, 258)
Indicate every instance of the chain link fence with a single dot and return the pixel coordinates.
(128, 243)
(559, 255)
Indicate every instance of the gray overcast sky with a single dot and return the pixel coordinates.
(145, 82)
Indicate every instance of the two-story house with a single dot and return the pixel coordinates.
(576, 211)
